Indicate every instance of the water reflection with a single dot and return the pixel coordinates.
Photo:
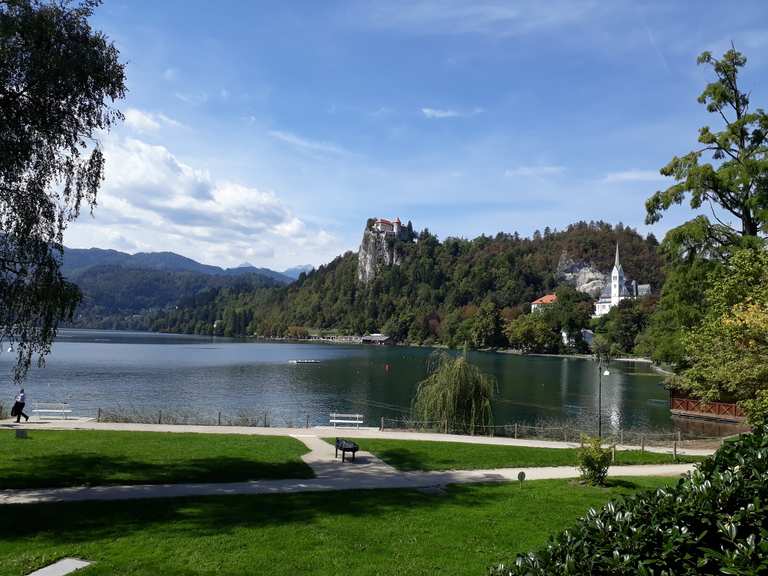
(92, 369)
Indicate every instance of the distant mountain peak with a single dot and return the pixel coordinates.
(296, 271)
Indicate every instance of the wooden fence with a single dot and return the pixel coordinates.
(700, 409)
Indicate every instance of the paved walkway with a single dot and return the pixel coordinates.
(360, 480)
(327, 431)
(367, 472)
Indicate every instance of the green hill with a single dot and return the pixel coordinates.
(433, 296)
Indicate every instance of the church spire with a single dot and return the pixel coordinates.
(616, 262)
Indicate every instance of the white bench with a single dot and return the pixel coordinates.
(346, 419)
(48, 409)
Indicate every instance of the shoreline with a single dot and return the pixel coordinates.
(277, 339)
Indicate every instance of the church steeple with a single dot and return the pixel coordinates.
(617, 280)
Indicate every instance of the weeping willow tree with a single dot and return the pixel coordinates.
(456, 394)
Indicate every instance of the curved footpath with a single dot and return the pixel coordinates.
(366, 473)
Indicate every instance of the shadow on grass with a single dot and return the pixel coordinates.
(84, 522)
(76, 522)
(55, 471)
(408, 460)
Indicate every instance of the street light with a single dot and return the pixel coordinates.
(600, 397)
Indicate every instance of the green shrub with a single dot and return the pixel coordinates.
(713, 521)
(594, 461)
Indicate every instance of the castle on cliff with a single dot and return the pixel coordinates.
(379, 248)
(388, 226)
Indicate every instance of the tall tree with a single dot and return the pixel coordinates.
(736, 184)
(728, 351)
(58, 79)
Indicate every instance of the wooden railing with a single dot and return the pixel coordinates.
(695, 407)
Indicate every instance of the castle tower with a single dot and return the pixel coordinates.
(617, 280)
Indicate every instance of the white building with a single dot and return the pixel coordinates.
(619, 289)
(387, 226)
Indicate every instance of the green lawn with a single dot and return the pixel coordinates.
(428, 455)
(95, 457)
(374, 532)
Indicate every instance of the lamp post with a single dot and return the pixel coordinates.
(601, 373)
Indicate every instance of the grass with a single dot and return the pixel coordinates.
(410, 455)
(381, 532)
(49, 459)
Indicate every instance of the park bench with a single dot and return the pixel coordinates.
(346, 419)
(48, 409)
(346, 446)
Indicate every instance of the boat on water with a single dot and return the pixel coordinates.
(304, 361)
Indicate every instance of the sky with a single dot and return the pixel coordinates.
(268, 132)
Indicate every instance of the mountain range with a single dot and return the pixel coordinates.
(121, 290)
(78, 260)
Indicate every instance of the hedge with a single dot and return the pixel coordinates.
(713, 521)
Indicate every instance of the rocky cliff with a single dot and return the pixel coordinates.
(582, 275)
(378, 249)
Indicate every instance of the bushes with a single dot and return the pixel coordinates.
(594, 461)
(713, 521)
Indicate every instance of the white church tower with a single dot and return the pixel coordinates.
(617, 280)
(618, 290)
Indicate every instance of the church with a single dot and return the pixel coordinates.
(619, 289)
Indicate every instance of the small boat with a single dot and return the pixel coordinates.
(304, 361)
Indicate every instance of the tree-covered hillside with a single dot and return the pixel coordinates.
(449, 292)
(115, 297)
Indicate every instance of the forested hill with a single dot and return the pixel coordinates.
(121, 298)
(436, 293)
(77, 261)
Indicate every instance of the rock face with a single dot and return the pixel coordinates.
(378, 249)
(582, 275)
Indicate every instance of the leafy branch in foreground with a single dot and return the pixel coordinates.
(57, 76)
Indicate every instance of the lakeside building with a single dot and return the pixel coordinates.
(619, 289)
(376, 339)
(545, 300)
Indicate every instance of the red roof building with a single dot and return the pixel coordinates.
(545, 300)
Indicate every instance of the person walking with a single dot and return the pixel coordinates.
(18, 407)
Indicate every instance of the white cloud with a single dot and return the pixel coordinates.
(437, 113)
(308, 145)
(534, 171)
(487, 17)
(192, 98)
(150, 200)
(632, 176)
(144, 122)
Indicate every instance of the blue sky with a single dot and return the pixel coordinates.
(269, 132)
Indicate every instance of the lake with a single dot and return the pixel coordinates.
(149, 372)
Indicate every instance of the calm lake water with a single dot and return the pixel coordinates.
(105, 369)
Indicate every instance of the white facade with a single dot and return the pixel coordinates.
(387, 226)
(618, 290)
